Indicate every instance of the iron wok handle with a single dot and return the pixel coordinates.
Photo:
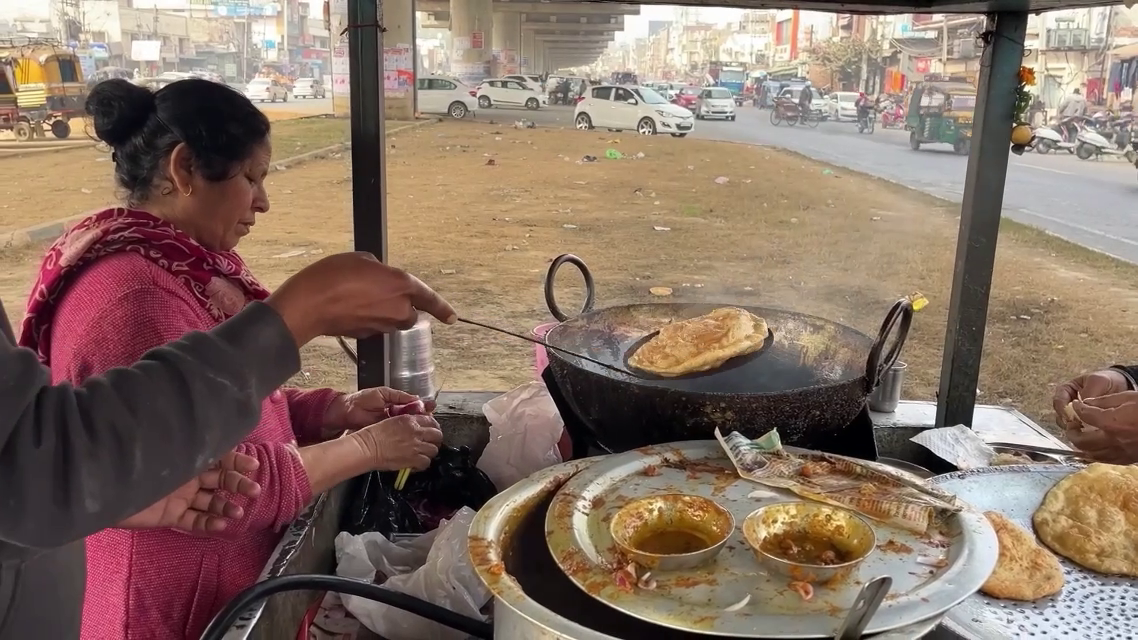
(551, 276)
(900, 317)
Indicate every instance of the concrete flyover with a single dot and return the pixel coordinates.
(531, 37)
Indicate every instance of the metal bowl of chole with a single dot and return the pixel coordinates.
(672, 532)
(809, 542)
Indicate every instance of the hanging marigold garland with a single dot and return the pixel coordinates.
(1021, 135)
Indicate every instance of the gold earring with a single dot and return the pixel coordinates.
(188, 192)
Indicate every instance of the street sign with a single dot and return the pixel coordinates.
(476, 40)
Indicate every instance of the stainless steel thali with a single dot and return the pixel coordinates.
(1091, 605)
(577, 531)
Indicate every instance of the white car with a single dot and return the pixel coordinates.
(843, 106)
(533, 82)
(636, 108)
(715, 102)
(503, 92)
(440, 94)
(308, 88)
(265, 90)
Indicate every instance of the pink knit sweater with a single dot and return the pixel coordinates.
(163, 584)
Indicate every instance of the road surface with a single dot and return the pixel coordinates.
(1093, 203)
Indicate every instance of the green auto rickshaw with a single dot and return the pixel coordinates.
(941, 112)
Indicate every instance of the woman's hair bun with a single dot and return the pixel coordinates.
(119, 109)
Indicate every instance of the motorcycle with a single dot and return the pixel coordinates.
(1092, 144)
(893, 117)
(1061, 135)
(866, 119)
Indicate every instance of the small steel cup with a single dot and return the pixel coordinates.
(845, 529)
(887, 395)
(639, 519)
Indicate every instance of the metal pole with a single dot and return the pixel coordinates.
(369, 171)
(980, 220)
(944, 44)
(284, 36)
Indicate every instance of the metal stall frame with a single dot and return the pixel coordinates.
(981, 207)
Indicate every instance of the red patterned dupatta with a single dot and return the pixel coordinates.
(219, 280)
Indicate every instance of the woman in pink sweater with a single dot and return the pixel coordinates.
(192, 158)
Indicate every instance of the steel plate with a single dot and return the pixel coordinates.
(1091, 605)
(577, 530)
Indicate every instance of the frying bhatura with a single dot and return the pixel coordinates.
(702, 343)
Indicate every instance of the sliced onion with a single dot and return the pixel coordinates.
(631, 570)
(762, 495)
(939, 563)
(740, 604)
(646, 581)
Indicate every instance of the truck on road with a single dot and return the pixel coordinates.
(730, 76)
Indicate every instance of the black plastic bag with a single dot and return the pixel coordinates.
(452, 482)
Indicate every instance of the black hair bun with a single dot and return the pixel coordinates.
(119, 109)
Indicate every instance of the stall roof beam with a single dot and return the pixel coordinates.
(537, 8)
(616, 24)
(891, 6)
(588, 38)
(980, 214)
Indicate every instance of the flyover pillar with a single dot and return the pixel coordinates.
(472, 36)
(539, 57)
(507, 42)
(529, 52)
(400, 53)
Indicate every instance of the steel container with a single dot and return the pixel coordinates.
(412, 366)
(510, 554)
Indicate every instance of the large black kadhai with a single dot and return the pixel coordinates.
(809, 383)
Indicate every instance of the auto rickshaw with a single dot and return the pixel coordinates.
(941, 112)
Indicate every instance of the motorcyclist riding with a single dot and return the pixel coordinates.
(864, 107)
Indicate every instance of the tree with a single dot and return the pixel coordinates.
(843, 58)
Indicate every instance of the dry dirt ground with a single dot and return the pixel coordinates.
(58, 184)
(479, 210)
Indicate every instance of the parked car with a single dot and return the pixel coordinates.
(440, 94)
(265, 90)
(533, 82)
(715, 102)
(638, 109)
(842, 106)
(503, 92)
(308, 88)
(686, 96)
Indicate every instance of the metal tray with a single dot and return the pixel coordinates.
(1091, 605)
(577, 531)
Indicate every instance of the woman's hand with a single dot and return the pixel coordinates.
(1111, 427)
(197, 507)
(1088, 385)
(368, 406)
(402, 442)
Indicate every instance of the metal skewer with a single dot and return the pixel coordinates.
(545, 344)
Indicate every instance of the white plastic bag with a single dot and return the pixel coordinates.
(525, 428)
(435, 567)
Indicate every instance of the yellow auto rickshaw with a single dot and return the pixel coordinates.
(941, 112)
(48, 78)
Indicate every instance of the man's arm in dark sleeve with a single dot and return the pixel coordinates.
(1131, 373)
(74, 461)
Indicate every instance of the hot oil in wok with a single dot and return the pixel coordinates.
(805, 352)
